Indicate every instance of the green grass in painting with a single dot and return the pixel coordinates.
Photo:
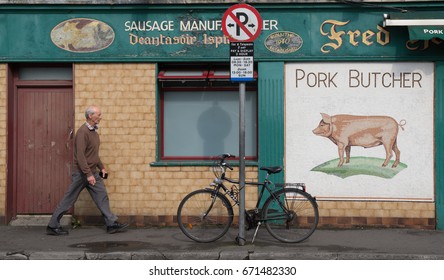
(360, 166)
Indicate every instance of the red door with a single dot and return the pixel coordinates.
(44, 148)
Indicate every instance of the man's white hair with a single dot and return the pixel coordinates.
(91, 110)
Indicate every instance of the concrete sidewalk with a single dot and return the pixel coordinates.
(23, 242)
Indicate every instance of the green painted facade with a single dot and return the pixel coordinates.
(271, 103)
(190, 33)
(185, 33)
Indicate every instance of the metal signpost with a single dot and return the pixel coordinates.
(242, 24)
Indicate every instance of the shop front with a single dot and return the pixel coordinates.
(346, 98)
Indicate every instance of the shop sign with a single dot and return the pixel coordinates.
(181, 34)
(360, 122)
(426, 32)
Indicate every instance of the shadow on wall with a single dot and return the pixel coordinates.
(214, 125)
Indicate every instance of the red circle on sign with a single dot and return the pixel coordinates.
(229, 14)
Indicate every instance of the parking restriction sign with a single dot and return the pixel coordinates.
(241, 23)
(241, 61)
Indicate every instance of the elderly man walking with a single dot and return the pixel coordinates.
(88, 173)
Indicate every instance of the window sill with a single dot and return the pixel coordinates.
(197, 163)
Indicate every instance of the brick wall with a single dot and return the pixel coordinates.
(139, 193)
(346, 214)
(149, 195)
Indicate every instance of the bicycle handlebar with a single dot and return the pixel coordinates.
(222, 160)
(226, 155)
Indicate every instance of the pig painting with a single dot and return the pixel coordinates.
(365, 131)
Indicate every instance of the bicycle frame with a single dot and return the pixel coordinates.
(288, 212)
(218, 184)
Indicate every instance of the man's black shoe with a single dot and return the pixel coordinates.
(116, 227)
(56, 231)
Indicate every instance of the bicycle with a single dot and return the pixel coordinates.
(290, 214)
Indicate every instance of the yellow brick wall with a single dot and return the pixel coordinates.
(377, 209)
(3, 136)
(126, 94)
(377, 213)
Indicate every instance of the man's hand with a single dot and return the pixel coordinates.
(104, 174)
(91, 180)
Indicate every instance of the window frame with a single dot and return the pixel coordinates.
(213, 83)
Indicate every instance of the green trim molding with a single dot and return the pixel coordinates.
(271, 118)
(439, 144)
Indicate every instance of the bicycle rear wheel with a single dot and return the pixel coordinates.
(204, 216)
(292, 217)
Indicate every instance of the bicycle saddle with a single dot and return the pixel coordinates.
(272, 169)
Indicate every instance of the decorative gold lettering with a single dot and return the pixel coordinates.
(163, 40)
(133, 39)
(366, 36)
(383, 36)
(352, 34)
(415, 45)
(332, 34)
(336, 36)
(215, 40)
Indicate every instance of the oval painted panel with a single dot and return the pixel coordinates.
(82, 35)
(283, 42)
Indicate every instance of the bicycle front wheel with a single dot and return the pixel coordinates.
(292, 216)
(204, 216)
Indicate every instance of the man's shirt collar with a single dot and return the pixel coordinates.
(92, 127)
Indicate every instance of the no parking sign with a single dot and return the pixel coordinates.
(241, 23)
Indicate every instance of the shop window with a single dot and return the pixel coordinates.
(199, 112)
(33, 73)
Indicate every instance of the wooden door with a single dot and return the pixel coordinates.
(44, 148)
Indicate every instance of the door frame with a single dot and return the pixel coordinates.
(13, 85)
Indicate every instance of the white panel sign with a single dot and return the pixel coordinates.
(363, 113)
(242, 61)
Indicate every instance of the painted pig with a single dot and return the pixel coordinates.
(365, 131)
